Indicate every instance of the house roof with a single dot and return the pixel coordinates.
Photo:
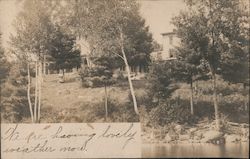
(168, 33)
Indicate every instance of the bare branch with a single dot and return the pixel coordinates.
(118, 55)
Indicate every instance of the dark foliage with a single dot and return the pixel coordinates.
(161, 80)
(14, 105)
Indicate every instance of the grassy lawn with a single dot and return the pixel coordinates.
(70, 102)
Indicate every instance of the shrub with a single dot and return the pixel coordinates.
(142, 97)
(232, 99)
(117, 112)
(224, 88)
(171, 111)
(120, 76)
(14, 104)
(160, 79)
(204, 109)
(97, 76)
(233, 103)
(97, 81)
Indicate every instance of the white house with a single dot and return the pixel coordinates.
(84, 48)
(170, 41)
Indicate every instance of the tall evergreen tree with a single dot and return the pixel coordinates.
(62, 50)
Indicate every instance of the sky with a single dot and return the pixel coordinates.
(157, 13)
(8, 12)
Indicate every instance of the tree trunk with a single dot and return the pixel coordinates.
(216, 107)
(28, 94)
(44, 65)
(212, 70)
(36, 95)
(129, 75)
(1, 100)
(39, 91)
(246, 106)
(106, 103)
(246, 101)
(191, 98)
(196, 91)
(0, 96)
(63, 74)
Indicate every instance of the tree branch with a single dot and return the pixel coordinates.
(118, 55)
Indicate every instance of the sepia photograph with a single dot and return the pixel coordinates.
(141, 78)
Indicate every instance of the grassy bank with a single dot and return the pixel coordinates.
(169, 121)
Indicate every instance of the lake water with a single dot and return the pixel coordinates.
(233, 150)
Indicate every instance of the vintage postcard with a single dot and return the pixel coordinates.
(124, 78)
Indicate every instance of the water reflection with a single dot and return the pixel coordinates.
(234, 150)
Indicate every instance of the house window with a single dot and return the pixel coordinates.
(171, 40)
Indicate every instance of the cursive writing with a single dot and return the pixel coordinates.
(78, 139)
(128, 135)
(40, 147)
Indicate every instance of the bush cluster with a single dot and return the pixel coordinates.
(117, 112)
(14, 103)
(93, 112)
(234, 106)
(97, 76)
(171, 103)
(172, 110)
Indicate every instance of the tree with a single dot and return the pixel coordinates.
(128, 35)
(235, 61)
(14, 94)
(100, 75)
(212, 29)
(189, 68)
(3, 63)
(3, 69)
(13, 98)
(161, 81)
(115, 28)
(62, 50)
(186, 72)
(33, 31)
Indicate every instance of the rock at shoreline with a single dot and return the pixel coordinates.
(194, 141)
(183, 137)
(211, 135)
(179, 129)
(167, 138)
(192, 130)
(232, 138)
(245, 132)
(198, 135)
(244, 139)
